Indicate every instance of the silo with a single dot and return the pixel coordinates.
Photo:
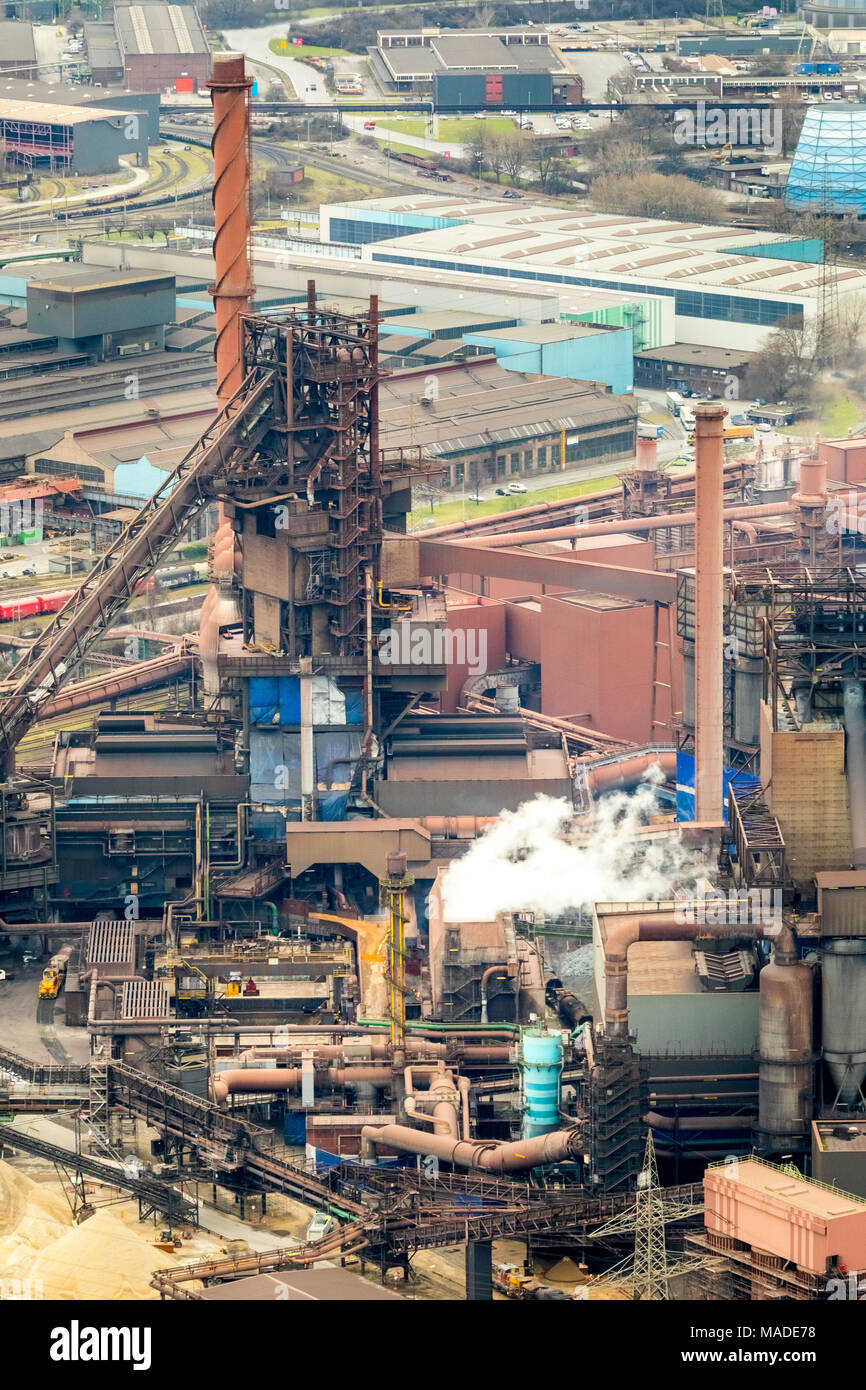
(540, 1071)
(785, 1068)
(843, 995)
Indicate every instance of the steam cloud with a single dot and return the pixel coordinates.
(524, 863)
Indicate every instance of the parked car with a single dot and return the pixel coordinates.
(501, 492)
(369, 125)
(28, 573)
(763, 426)
(516, 487)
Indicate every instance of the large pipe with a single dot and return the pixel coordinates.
(504, 972)
(227, 1083)
(855, 749)
(628, 771)
(698, 1122)
(443, 1096)
(682, 485)
(660, 927)
(515, 1157)
(709, 612)
(662, 521)
(416, 1047)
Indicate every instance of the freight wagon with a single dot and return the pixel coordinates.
(32, 605)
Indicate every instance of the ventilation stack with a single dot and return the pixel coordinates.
(231, 290)
(810, 514)
(709, 612)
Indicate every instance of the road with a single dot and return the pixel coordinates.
(309, 85)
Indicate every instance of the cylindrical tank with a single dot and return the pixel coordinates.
(540, 1069)
(785, 1068)
(843, 994)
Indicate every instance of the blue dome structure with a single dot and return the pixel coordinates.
(828, 171)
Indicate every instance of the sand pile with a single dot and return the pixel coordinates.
(104, 1258)
(101, 1259)
(31, 1217)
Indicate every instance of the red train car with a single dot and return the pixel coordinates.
(31, 605)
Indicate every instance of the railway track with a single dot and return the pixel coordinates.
(132, 205)
(280, 156)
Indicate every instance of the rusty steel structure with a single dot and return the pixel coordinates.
(320, 465)
(36, 679)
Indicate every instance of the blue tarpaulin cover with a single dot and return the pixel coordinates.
(686, 785)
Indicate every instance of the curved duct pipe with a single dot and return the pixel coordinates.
(662, 927)
(442, 1095)
(748, 530)
(514, 1157)
(505, 972)
(628, 770)
(785, 1052)
(855, 749)
(226, 1083)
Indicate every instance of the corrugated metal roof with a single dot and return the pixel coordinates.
(144, 999)
(111, 943)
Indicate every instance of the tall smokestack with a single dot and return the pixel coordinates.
(709, 611)
(231, 290)
(232, 207)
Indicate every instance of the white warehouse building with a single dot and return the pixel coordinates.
(729, 286)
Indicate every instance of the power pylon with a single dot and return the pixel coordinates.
(828, 292)
(650, 1277)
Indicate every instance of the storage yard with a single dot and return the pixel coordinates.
(472, 912)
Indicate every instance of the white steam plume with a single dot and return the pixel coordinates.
(523, 862)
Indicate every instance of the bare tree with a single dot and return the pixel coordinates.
(495, 150)
(545, 156)
(852, 323)
(515, 154)
(476, 152)
(626, 158)
(786, 368)
(658, 195)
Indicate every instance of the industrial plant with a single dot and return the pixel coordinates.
(407, 893)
